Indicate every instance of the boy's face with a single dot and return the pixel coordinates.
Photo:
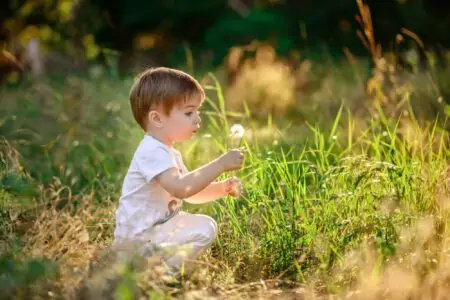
(183, 121)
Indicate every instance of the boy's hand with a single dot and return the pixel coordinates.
(233, 187)
(232, 160)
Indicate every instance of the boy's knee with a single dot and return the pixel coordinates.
(206, 229)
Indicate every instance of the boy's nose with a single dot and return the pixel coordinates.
(199, 120)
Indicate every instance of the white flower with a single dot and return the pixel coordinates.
(237, 131)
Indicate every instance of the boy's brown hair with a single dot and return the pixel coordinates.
(161, 88)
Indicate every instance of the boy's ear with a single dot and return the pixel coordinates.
(154, 118)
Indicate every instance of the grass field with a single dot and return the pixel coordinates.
(340, 201)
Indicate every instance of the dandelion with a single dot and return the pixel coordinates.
(236, 133)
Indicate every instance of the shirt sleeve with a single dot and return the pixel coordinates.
(153, 162)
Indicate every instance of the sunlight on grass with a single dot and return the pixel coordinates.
(358, 212)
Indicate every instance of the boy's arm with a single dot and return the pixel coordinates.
(187, 185)
(211, 193)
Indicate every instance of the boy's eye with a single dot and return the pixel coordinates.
(192, 112)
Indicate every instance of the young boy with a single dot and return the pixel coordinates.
(165, 103)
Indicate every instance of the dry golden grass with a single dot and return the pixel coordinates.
(76, 231)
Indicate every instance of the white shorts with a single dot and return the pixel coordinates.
(182, 238)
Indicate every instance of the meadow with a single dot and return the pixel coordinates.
(346, 183)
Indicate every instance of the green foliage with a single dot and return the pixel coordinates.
(24, 279)
(313, 193)
(233, 30)
(91, 29)
(65, 135)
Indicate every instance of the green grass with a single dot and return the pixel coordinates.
(308, 204)
(316, 195)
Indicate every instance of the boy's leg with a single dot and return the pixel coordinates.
(184, 237)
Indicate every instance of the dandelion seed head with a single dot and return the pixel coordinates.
(237, 131)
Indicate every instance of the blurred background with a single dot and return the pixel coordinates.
(71, 35)
(350, 98)
(260, 44)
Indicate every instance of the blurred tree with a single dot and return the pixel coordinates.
(156, 27)
(163, 30)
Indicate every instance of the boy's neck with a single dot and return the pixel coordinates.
(160, 138)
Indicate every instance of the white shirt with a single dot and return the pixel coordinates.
(144, 202)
